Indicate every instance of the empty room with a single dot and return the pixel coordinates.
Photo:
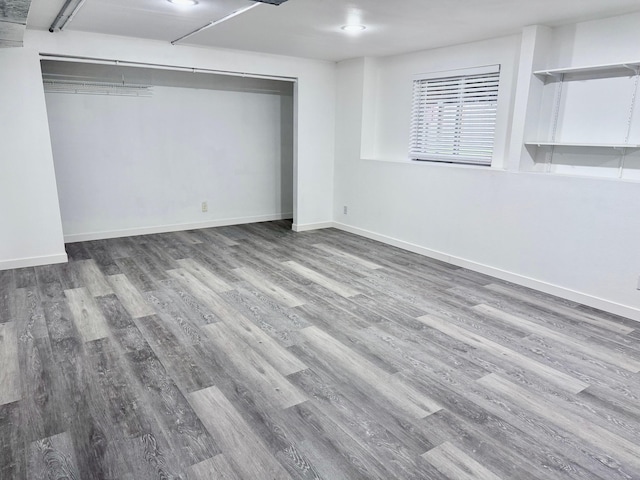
(318, 239)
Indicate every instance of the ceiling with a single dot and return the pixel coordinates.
(311, 28)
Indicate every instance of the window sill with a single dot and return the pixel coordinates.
(422, 163)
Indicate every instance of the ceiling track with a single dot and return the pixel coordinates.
(60, 22)
(215, 22)
(159, 66)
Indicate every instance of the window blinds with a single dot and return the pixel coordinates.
(454, 116)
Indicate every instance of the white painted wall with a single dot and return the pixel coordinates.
(126, 165)
(30, 229)
(576, 237)
(314, 109)
(30, 216)
(608, 40)
(592, 108)
(395, 82)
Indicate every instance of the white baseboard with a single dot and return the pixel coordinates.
(579, 297)
(311, 226)
(33, 261)
(129, 232)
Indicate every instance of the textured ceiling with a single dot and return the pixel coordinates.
(311, 28)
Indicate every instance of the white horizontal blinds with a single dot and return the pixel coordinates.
(454, 116)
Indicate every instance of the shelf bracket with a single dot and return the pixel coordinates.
(556, 115)
(632, 108)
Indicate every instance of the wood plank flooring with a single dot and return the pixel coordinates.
(252, 352)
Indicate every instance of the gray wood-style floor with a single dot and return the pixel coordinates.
(252, 352)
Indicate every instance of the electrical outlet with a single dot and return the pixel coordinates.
(205, 207)
(638, 282)
(344, 210)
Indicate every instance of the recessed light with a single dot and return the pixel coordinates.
(184, 3)
(353, 28)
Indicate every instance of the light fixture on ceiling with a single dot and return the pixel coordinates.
(353, 28)
(184, 3)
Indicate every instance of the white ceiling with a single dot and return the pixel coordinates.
(311, 28)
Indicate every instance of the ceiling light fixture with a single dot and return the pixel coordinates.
(353, 28)
(184, 3)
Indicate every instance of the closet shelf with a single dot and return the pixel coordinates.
(583, 145)
(609, 67)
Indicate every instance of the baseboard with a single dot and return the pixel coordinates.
(579, 297)
(130, 232)
(33, 261)
(311, 226)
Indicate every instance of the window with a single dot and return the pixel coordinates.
(453, 117)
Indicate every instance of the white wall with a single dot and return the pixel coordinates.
(608, 40)
(395, 82)
(30, 216)
(590, 108)
(126, 165)
(30, 229)
(314, 109)
(575, 237)
(572, 236)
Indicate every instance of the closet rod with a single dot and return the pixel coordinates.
(159, 66)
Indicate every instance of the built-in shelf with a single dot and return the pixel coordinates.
(578, 110)
(583, 145)
(609, 67)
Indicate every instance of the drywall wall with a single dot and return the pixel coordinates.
(395, 82)
(589, 108)
(129, 164)
(576, 237)
(30, 216)
(608, 40)
(314, 104)
(350, 131)
(31, 232)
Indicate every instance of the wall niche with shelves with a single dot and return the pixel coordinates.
(589, 122)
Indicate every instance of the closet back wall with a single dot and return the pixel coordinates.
(131, 165)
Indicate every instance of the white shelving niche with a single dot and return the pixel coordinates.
(589, 122)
